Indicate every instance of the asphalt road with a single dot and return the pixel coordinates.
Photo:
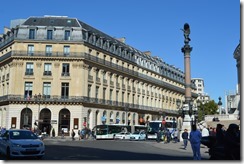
(115, 150)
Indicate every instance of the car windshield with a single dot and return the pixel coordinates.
(136, 132)
(22, 135)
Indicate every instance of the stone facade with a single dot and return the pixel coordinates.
(62, 73)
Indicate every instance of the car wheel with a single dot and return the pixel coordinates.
(123, 138)
(8, 156)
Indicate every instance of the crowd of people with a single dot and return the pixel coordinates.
(228, 139)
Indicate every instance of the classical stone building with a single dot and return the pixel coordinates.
(58, 72)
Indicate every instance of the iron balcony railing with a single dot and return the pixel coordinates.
(92, 58)
(81, 99)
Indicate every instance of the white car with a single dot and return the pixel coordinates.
(138, 135)
(21, 143)
(122, 136)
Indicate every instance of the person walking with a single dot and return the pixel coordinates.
(62, 132)
(73, 135)
(185, 137)
(195, 140)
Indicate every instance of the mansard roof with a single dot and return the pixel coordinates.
(52, 21)
(65, 21)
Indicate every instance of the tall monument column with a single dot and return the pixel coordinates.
(187, 106)
(187, 63)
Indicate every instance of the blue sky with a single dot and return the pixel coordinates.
(155, 26)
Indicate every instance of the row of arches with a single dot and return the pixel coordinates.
(64, 119)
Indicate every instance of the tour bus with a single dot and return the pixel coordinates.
(108, 131)
(154, 126)
(138, 128)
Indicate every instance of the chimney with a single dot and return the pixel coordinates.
(147, 53)
(121, 39)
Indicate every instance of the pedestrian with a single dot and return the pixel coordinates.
(159, 136)
(232, 143)
(79, 132)
(73, 134)
(185, 137)
(220, 133)
(205, 132)
(195, 140)
(62, 133)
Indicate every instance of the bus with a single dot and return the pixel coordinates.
(135, 128)
(154, 126)
(100, 132)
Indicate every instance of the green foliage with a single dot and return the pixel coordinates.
(208, 108)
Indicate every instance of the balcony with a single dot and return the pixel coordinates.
(117, 85)
(29, 73)
(98, 80)
(90, 78)
(65, 74)
(105, 82)
(47, 73)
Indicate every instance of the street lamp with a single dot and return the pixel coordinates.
(190, 112)
(126, 112)
(38, 99)
(219, 105)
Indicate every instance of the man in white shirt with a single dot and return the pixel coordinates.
(205, 132)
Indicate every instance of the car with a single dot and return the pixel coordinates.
(122, 136)
(16, 143)
(138, 135)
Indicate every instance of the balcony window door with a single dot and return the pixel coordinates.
(49, 34)
(46, 89)
(65, 91)
(65, 69)
(30, 50)
(48, 50)
(29, 69)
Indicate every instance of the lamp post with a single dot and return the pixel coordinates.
(220, 105)
(38, 100)
(126, 112)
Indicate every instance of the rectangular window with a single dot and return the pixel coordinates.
(65, 90)
(65, 69)
(104, 93)
(123, 95)
(49, 34)
(110, 94)
(13, 122)
(46, 89)
(66, 50)
(32, 33)
(29, 69)
(28, 90)
(30, 50)
(66, 35)
(48, 50)
(76, 123)
(97, 89)
(89, 91)
(47, 69)
(117, 96)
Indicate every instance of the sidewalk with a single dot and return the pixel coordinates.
(179, 146)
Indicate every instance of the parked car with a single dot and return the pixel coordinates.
(138, 135)
(122, 136)
(21, 143)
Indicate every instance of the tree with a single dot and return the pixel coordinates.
(208, 108)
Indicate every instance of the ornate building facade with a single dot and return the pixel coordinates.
(58, 72)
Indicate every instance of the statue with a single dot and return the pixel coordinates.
(186, 31)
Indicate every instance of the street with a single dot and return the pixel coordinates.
(58, 149)
(99, 150)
